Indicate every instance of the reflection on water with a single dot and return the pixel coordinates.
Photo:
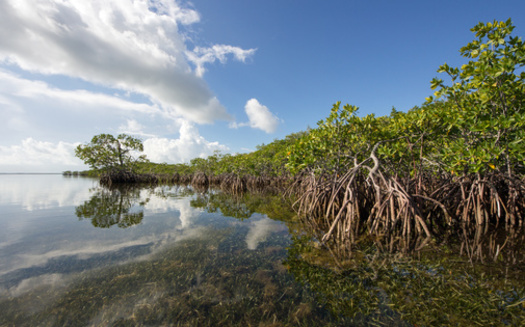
(432, 289)
(52, 241)
(37, 192)
(169, 256)
(108, 207)
(494, 247)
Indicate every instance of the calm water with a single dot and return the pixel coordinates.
(75, 254)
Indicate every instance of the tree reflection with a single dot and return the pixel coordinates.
(121, 206)
(380, 288)
(228, 205)
(503, 247)
(245, 205)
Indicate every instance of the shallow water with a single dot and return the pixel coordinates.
(75, 254)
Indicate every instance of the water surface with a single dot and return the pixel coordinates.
(75, 254)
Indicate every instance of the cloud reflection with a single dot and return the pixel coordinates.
(260, 230)
(47, 247)
(65, 245)
(36, 192)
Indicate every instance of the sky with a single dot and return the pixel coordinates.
(193, 77)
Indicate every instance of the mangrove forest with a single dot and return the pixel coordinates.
(458, 158)
(448, 171)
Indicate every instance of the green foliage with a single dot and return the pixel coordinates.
(475, 125)
(105, 152)
(267, 160)
(485, 102)
(344, 140)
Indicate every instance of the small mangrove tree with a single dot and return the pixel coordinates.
(116, 157)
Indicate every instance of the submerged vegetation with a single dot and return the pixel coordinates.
(436, 289)
(214, 277)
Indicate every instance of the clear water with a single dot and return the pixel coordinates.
(72, 253)
(75, 254)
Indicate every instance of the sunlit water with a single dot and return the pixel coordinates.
(75, 254)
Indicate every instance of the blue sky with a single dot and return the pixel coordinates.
(190, 78)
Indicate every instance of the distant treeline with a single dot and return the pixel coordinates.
(268, 160)
(83, 173)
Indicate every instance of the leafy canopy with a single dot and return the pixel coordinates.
(475, 124)
(485, 117)
(106, 152)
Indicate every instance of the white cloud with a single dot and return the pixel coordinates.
(189, 145)
(38, 156)
(15, 87)
(133, 127)
(78, 115)
(130, 45)
(38, 110)
(201, 56)
(259, 117)
(91, 67)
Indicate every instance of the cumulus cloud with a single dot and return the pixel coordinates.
(14, 87)
(135, 46)
(189, 145)
(33, 111)
(259, 116)
(133, 127)
(41, 156)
